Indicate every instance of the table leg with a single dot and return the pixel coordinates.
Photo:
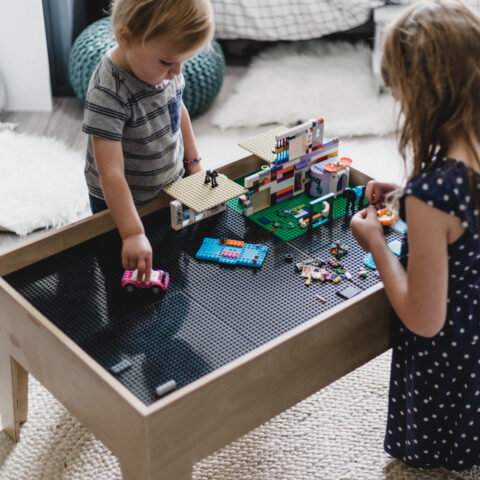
(183, 472)
(13, 394)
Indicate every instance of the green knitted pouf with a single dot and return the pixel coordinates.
(86, 53)
(203, 74)
(203, 78)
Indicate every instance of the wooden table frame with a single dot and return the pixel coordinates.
(165, 439)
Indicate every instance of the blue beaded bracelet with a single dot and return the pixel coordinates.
(193, 160)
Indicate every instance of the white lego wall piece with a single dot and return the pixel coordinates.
(180, 218)
(317, 134)
(297, 147)
(294, 131)
(249, 181)
(176, 215)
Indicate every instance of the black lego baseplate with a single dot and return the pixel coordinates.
(210, 314)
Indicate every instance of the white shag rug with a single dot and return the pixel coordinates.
(41, 182)
(336, 434)
(290, 83)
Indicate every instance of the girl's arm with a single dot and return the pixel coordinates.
(418, 295)
(190, 147)
(136, 249)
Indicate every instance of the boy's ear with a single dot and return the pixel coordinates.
(124, 36)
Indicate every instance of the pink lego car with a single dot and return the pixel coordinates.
(158, 280)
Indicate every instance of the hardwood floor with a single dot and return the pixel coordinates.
(63, 123)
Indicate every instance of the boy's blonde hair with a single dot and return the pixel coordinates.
(189, 21)
(431, 60)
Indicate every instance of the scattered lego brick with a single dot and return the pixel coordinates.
(334, 263)
(121, 366)
(349, 292)
(165, 388)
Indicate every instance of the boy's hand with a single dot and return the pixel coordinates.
(137, 254)
(376, 192)
(366, 228)
(192, 168)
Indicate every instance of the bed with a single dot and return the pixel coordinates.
(271, 20)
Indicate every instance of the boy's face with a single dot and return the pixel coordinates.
(157, 60)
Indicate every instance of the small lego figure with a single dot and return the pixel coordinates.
(207, 176)
(214, 176)
(352, 194)
(211, 176)
(361, 201)
(351, 197)
(338, 250)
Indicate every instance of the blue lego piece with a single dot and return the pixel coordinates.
(358, 192)
(400, 226)
(264, 220)
(249, 255)
(252, 255)
(209, 250)
(324, 198)
(368, 261)
(395, 247)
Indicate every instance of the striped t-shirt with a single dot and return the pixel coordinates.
(145, 118)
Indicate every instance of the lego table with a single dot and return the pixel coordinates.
(239, 355)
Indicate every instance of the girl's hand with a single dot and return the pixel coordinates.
(366, 228)
(376, 192)
(137, 254)
(192, 168)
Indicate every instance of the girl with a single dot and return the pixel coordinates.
(431, 61)
(140, 135)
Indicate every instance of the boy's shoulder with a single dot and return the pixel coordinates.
(107, 78)
(110, 79)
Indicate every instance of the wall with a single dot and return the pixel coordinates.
(64, 21)
(23, 56)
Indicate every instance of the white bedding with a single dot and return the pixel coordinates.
(293, 19)
(288, 19)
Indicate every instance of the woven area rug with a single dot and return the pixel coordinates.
(336, 434)
(291, 83)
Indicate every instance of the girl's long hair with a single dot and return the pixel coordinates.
(431, 61)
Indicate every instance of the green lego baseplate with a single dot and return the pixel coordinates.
(275, 214)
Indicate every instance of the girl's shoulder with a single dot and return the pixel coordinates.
(448, 185)
(444, 174)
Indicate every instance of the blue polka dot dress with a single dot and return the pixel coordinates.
(434, 403)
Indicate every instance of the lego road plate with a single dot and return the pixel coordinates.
(193, 192)
(262, 146)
